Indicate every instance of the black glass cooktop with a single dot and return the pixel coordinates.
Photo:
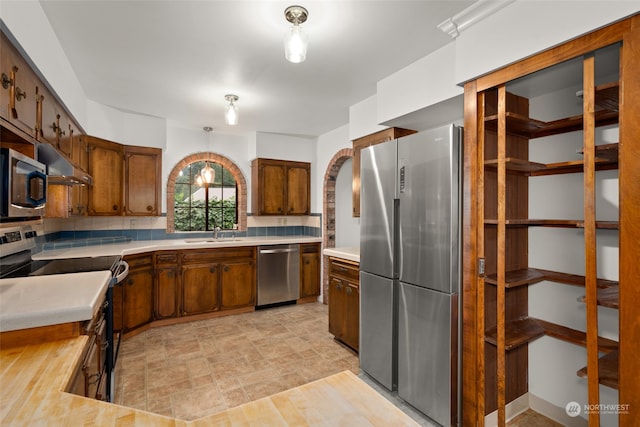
(22, 266)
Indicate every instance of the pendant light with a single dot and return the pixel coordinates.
(206, 176)
(231, 112)
(295, 41)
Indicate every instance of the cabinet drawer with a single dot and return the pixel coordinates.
(166, 257)
(138, 261)
(309, 248)
(344, 269)
(198, 256)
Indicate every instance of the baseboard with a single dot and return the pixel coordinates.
(539, 405)
(555, 413)
(513, 409)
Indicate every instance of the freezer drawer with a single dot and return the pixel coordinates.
(377, 328)
(428, 352)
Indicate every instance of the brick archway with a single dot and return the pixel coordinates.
(329, 211)
(212, 157)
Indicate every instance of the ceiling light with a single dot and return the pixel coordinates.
(231, 112)
(295, 40)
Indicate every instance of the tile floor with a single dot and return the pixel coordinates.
(195, 369)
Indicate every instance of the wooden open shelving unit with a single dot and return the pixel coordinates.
(496, 274)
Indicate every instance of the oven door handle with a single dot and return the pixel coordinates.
(120, 276)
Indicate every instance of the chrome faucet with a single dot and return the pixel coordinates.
(216, 232)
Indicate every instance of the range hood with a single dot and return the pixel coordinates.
(61, 170)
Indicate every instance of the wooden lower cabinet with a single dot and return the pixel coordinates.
(344, 301)
(309, 271)
(217, 279)
(137, 293)
(166, 285)
(237, 284)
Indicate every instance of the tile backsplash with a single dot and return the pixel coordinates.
(98, 230)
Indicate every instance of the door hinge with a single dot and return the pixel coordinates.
(481, 266)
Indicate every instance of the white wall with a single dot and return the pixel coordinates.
(526, 27)
(363, 118)
(347, 227)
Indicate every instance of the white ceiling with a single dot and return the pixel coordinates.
(177, 59)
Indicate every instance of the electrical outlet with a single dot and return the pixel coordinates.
(133, 223)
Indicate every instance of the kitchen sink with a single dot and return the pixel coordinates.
(212, 240)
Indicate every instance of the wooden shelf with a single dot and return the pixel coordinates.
(606, 159)
(517, 332)
(525, 276)
(528, 276)
(607, 297)
(561, 223)
(605, 345)
(607, 370)
(517, 124)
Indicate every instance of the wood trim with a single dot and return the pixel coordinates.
(571, 49)
(39, 335)
(590, 236)
(479, 282)
(501, 256)
(629, 177)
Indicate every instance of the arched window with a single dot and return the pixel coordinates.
(206, 191)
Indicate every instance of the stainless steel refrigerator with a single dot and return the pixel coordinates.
(410, 268)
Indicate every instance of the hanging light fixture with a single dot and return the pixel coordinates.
(231, 112)
(295, 41)
(206, 176)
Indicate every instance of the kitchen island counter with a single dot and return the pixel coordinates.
(34, 379)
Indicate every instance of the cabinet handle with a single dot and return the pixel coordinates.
(279, 209)
(348, 290)
(212, 269)
(115, 207)
(339, 286)
(149, 208)
(226, 268)
(93, 378)
(6, 81)
(54, 127)
(20, 94)
(129, 282)
(170, 274)
(307, 262)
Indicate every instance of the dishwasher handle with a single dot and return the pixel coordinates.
(277, 251)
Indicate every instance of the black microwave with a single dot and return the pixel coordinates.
(24, 185)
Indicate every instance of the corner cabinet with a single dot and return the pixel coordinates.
(142, 174)
(280, 187)
(551, 207)
(344, 301)
(362, 143)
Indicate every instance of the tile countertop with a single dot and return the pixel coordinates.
(141, 246)
(30, 302)
(348, 253)
(35, 377)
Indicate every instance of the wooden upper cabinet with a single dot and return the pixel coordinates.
(364, 142)
(142, 173)
(280, 187)
(106, 167)
(18, 91)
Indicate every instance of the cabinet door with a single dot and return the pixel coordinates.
(143, 168)
(65, 135)
(352, 315)
(166, 292)
(18, 89)
(238, 284)
(105, 166)
(200, 286)
(298, 189)
(78, 194)
(272, 187)
(138, 298)
(48, 130)
(118, 306)
(337, 304)
(310, 274)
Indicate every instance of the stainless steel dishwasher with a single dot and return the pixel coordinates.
(278, 274)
